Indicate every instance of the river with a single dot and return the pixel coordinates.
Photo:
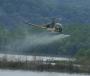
(31, 73)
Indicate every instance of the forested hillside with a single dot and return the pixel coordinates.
(77, 43)
(15, 12)
(75, 17)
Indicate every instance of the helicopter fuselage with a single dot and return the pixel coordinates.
(57, 27)
(52, 26)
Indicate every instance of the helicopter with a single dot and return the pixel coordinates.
(53, 26)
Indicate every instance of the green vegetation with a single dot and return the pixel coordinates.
(77, 45)
(39, 65)
(17, 11)
(80, 40)
(75, 16)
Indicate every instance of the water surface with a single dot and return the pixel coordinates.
(31, 73)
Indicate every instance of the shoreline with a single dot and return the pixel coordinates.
(32, 57)
(14, 62)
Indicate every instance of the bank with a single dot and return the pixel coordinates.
(36, 63)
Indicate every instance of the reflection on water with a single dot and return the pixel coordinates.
(30, 73)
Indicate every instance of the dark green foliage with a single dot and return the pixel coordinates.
(15, 12)
(80, 41)
(77, 42)
(77, 45)
(39, 65)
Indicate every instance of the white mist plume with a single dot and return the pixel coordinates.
(42, 38)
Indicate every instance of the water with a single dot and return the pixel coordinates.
(31, 73)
